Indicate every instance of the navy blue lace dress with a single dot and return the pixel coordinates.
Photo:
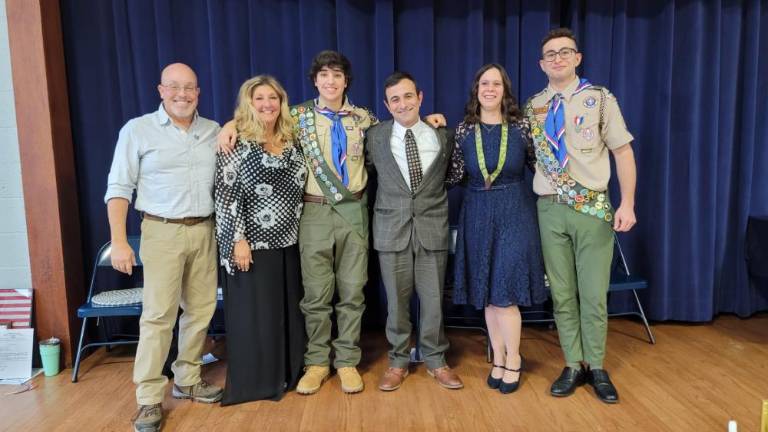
(498, 257)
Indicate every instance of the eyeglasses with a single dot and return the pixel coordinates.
(564, 53)
(176, 89)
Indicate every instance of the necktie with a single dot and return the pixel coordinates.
(338, 142)
(414, 162)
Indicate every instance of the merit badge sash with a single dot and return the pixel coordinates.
(569, 191)
(342, 200)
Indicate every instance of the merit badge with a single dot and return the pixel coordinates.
(337, 197)
(588, 134)
(590, 102)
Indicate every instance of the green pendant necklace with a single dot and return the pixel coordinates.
(489, 178)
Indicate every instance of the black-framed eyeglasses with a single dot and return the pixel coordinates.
(564, 53)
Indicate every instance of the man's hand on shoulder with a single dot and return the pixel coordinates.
(225, 141)
(123, 257)
(436, 120)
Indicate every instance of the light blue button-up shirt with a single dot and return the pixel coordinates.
(170, 168)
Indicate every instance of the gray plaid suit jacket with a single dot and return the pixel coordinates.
(398, 214)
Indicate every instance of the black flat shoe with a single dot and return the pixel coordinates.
(567, 382)
(505, 387)
(604, 389)
(494, 382)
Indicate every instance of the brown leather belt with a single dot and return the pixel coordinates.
(188, 221)
(317, 199)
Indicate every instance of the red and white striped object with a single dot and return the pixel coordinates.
(16, 307)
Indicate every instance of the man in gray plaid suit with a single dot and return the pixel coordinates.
(410, 228)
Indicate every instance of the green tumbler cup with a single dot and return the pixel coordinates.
(50, 350)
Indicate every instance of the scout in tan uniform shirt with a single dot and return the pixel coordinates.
(574, 125)
(333, 230)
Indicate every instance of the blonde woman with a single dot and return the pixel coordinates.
(259, 190)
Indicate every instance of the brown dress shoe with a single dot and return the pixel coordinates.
(393, 378)
(446, 377)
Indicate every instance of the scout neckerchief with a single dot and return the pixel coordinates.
(554, 125)
(489, 179)
(338, 140)
(333, 189)
(569, 191)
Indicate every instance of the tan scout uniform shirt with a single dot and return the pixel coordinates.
(355, 124)
(587, 145)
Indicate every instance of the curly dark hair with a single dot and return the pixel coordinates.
(561, 32)
(510, 111)
(333, 60)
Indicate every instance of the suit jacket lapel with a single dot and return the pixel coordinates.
(390, 166)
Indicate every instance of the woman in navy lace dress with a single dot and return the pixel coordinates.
(498, 263)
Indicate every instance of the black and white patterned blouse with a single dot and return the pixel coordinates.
(259, 197)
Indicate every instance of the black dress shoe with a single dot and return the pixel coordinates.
(494, 382)
(604, 389)
(505, 387)
(567, 382)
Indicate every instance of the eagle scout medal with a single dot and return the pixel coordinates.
(577, 122)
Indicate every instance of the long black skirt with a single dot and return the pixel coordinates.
(265, 327)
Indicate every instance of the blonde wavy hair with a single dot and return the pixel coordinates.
(249, 126)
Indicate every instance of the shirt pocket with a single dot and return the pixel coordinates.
(585, 132)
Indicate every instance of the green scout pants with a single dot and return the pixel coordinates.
(334, 259)
(578, 250)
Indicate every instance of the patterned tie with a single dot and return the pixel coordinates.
(414, 162)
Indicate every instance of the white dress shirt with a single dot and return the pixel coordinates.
(426, 141)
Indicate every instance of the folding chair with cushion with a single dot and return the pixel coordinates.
(103, 302)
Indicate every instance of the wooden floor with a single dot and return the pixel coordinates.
(696, 378)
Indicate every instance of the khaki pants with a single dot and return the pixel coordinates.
(179, 270)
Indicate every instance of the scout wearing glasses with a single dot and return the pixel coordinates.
(574, 125)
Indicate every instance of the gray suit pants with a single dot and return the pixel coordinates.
(401, 272)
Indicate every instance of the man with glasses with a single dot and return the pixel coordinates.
(574, 124)
(169, 158)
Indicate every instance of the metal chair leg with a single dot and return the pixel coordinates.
(76, 367)
(642, 316)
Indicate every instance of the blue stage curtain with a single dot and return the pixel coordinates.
(688, 75)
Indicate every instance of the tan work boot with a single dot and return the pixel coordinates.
(314, 377)
(200, 392)
(350, 380)
(148, 419)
